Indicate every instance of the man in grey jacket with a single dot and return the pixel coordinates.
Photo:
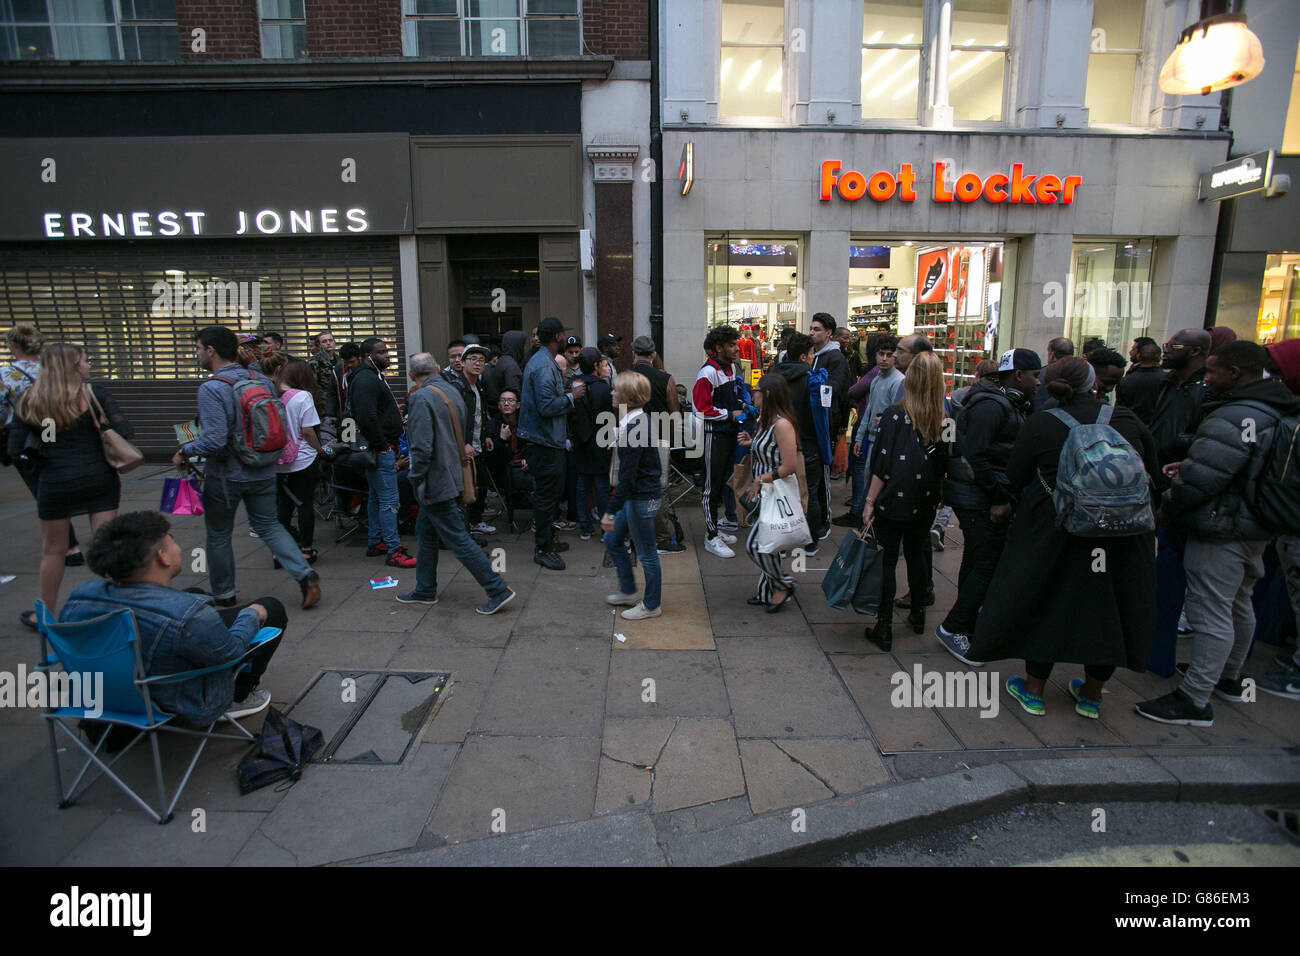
(1208, 499)
(438, 481)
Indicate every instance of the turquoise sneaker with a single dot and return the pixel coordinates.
(1082, 705)
(1031, 703)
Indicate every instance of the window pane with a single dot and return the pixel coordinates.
(23, 11)
(494, 38)
(553, 38)
(148, 9)
(892, 22)
(1110, 296)
(767, 298)
(282, 9)
(86, 43)
(553, 6)
(751, 82)
(1279, 301)
(437, 37)
(284, 41)
(492, 8)
(82, 11)
(889, 82)
(753, 21)
(975, 85)
(981, 21)
(26, 43)
(1120, 23)
(1291, 134)
(1109, 95)
(432, 7)
(150, 43)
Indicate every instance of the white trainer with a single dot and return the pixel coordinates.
(729, 538)
(622, 600)
(256, 701)
(717, 546)
(641, 612)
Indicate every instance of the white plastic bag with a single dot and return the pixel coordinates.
(782, 525)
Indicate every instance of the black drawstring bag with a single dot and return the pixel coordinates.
(283, 748)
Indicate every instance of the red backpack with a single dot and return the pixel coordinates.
(261, 427)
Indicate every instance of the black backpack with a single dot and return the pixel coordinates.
(1273, 494)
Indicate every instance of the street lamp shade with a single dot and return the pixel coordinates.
(1215, 53)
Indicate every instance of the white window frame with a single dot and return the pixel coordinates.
(263, 21)
(463, 20)
(117, 23)
(1136, 111)
(920, 48)
(720, 46)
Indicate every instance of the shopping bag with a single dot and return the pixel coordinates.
(840, 462)
(854, 577)
(782, 525)
(181, 496)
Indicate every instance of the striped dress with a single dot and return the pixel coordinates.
(766, 456)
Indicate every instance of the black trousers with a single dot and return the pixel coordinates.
(818, 494)
(915, 538)
(247, 679)
(296, 490)
(1041, 670)
(983, 544)
(547, 466)
(719, 458)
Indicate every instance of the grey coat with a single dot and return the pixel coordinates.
(435, 455)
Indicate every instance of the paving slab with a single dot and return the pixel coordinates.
(318, 820)
(566, 604)
(131, 838)
(732, 617)
(471, 665)
(684, 625)
(534, 781)
(33, 830)
(774, 780)
(637, 741)
(780, 690)
(699, 764)
(894, 729)
(686, 684)
(622, 786)
(846, 766)
(1001, 731)
(846, 637)
(547, 686)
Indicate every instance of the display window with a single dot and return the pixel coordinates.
(753, 284)
(1279, 300)
(1108, 293)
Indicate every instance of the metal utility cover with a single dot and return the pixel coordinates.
(369, 717)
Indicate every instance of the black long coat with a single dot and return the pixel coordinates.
(1046, 602)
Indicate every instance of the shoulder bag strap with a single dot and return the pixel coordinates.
(97, 411)
(455, 421)
(22, 372)
(1063, 416)
(1103, 416)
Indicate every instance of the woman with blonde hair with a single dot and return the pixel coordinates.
(907, 465)
(57, 423)
(635, 500)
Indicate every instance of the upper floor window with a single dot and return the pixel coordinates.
(492, 27)
(284, 29)
(88, 30)
(753, 58)
(892, 34)
(1291, 131)
(977, 64)
(1115, 54)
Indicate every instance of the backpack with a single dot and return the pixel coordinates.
(291, 447)
(1102, 488)
(261, 428)
(1273, 495)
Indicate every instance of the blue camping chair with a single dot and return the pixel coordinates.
(107, 646)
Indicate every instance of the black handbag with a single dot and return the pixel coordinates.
(283, 748)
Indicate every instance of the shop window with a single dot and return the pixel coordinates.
(1113, 60)
(1291, 133)
(752, 59)
(284, 29)
(753, 285)
(1279, 301)
(88, 30)
(1108, 294)
(492, 27)
(891, 58)
(950, 293)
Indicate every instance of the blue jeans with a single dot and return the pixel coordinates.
(221, 500)
(599, 484)
(443, 522)
(381, 507)
(858, 471)
(636, 518)
(1171, 589)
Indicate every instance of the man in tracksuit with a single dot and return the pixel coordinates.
(717, 401)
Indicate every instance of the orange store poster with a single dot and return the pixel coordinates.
(932, 276)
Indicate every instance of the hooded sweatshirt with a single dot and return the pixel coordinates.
(805, 395)
(509, 370)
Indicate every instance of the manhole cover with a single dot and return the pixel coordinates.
(368, 717)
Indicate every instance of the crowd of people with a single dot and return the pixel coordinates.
(1181, 435)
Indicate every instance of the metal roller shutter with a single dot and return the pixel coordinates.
(135, 306)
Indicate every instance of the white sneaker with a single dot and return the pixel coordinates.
(641, 612)
(719, 547)
(622, 600)
(256, 701)
(253, 534)
(483, 528)
(729, 538)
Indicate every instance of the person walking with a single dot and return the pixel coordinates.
(71, 474)
(908, 462)
(717, 401)
(591, 459)
(230, 478)
(298, 470)
(1053, 598)
(663, 410)
(635, 501)
(775, 454)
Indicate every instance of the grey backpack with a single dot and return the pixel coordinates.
(1102, 489)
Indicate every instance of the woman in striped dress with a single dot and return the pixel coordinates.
(774, 452)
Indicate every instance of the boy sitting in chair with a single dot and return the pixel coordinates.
(178, 630)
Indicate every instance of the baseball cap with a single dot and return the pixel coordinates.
(550, 324)
(249, 339)
(571, 341)
(471, 349)
(609, 337)
(643, 345)
(1015, 360)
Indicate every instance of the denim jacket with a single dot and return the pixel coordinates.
(544, 406)
(178, 631)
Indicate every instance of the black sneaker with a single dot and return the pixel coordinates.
(1225, 689)
(849, 520)
(1176, 708)
(906, 600)
(226, 602)
(671, 547)
(551, 561)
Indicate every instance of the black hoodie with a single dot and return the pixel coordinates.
(796, 373)
(509, 370)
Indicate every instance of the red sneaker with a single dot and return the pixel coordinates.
(375, 550)
(398, 558)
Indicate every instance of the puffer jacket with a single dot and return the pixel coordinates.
(1207, 498)
(1178, 412)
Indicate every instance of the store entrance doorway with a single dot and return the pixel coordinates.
(495, 285)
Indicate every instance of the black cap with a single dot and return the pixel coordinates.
(607, 338)
(571, 341)
(1015, 360)
(550, 324)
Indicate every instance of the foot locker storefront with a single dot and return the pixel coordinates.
(137, 244)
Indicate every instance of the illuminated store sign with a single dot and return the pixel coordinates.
(997, 188)
(169, 223)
